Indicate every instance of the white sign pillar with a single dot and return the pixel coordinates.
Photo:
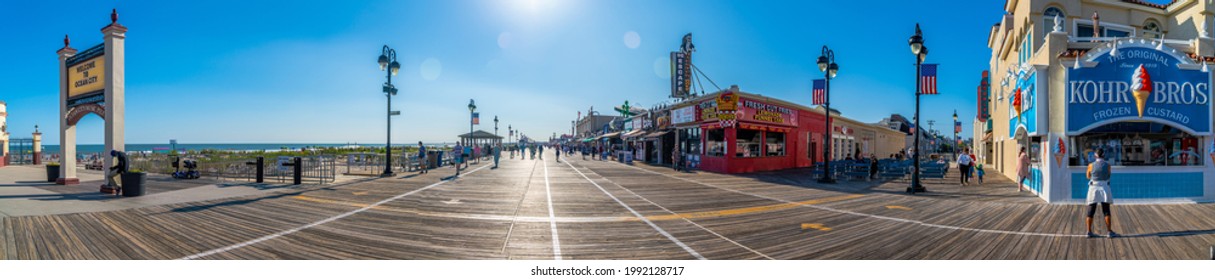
(115, 89)
(67, 133)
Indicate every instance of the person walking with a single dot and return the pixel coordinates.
(468, 155)
(979, 171)
(1098, 174)
(973, 165)
(423, 164)
(1022, 169)
(540, 150)
(476, 153)
(558, 152)
(964, 163)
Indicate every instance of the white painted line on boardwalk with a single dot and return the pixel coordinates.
(880, 217)
(643, 218)
(317, 223)
(552, 218)
(673, 213)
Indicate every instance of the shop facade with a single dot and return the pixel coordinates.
(732, 131)
(1129, 79)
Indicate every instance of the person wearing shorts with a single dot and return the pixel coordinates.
(1099, 193)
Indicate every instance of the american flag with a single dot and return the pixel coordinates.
(476, 118)
(820, 92)
(928, 79)
(913, 129)
(957, 127)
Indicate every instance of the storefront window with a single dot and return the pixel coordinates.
(775, 143)
(716, 141)
(1035, 149)
(690, 141)
(1137, 144)
(748, 143)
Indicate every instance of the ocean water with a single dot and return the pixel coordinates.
(100, 148)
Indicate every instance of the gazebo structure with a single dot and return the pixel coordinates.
(480, 137)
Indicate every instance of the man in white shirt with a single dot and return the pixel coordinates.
(964, 164)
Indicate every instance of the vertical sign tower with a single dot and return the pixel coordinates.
(92, 82)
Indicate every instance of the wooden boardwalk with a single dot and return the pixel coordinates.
(607, 210)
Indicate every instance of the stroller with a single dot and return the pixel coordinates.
(190, 165)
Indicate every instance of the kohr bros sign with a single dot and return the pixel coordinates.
(1138, 82)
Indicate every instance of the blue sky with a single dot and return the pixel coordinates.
(305, 71)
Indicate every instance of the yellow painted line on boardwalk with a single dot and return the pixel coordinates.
(815, 226)
(337, 202)
(896, 207)
(750, 210)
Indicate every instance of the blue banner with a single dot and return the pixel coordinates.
(1138, 83)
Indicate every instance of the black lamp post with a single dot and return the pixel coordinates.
(509, 133)
(826, 63)
(388, 61)
(496, 127)
(472, 108)
(955, 133)
(920, 51)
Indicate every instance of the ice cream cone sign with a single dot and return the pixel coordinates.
(1017, 104)
(1211, 151)
(1141, 86)
(1060, 151)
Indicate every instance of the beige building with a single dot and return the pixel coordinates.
(1130, 78)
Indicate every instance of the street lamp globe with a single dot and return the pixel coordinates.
(822, 63)
(834, 68)
(917, 41)
(923, 53)
(394, 66)
(383, 61)
(472, 106)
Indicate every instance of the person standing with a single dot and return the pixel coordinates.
(873, 166)
(964, 163)
(675, 159)
(1098, 174)
(497, 151)
(540, 150)
(457, 156)
(423, 164)
(1022, 169)
(557, 150)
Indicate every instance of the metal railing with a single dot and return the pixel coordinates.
(240, 168)
(373, 164)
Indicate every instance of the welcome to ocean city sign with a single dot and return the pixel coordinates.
(1139, 83)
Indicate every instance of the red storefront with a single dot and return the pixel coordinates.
(765, 133)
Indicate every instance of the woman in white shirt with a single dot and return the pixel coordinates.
(964, 164)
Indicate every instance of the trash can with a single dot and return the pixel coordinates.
(432, 159)
(132, 183)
